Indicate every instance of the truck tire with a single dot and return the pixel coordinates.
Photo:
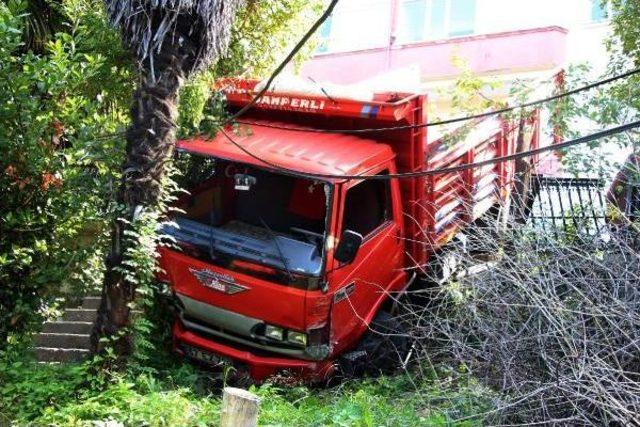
(381, 351)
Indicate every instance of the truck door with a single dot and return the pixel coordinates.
(371, 208)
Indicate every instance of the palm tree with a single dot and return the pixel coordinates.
(170, 39)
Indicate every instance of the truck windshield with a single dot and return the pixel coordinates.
(254, 221)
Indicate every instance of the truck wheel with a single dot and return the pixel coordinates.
(382, 349)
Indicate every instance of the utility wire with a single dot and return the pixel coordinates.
(436, 123)
(233, 118)
(391, 128)
(565, 144)
(284, 63)
(273, 75)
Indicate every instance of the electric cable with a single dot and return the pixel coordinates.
(554, 147)
(324, 17)
(273, 75)
(233, 118)
(440, 122)
(284, 62)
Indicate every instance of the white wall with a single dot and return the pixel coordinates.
(363, 24)
(587, 44)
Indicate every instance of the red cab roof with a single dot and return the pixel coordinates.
(299, 150)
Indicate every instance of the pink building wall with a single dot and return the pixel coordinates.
(498, 53)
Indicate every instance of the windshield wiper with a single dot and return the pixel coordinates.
(214, 253)
(283, 260)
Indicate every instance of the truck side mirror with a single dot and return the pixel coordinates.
(348, 247)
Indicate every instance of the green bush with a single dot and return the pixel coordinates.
(63, 112)
(57, 168)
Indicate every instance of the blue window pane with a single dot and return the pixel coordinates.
(598, 11)
(414, 17)
(437, 21)
(463, 15)
(324, 33)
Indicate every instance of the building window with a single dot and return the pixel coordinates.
(356, 25)
(436, 19)
(324, 34)
(600, 10)
(462, 14)
(414, 13)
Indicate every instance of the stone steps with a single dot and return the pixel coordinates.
(67, 339)
(63, 340)
(91, 303)
(47, 354)
(80, 315)
(67, 327)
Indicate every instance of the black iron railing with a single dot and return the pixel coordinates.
(575, 205)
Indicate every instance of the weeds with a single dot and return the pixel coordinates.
(66, 395)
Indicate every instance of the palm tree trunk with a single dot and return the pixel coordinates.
(150, 144)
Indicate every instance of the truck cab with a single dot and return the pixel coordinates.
(289, 250)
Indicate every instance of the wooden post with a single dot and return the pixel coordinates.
(239, 408)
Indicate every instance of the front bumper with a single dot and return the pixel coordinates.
(260, 367)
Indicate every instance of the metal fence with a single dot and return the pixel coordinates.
(568, 205)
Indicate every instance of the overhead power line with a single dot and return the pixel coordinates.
(233, 118)
(440, 122)
(284, 62)
(565, 144)
(272, 77)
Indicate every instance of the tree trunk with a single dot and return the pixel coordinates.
(521, 198)
(150, 144)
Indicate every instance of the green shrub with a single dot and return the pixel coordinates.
(56, 171)
(63, 112)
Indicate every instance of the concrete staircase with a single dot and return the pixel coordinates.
(67, 339)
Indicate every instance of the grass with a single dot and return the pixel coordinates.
(68, 395)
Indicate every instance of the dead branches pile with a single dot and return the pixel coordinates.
(552, 324)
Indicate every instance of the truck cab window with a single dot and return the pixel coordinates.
(367, 206)
(272, 228)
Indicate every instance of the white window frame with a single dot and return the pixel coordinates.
(446, 27)
(334, 42)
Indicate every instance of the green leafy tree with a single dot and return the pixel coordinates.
(604, 106)
(63, 109)
(626, 31)
(261, 36)
(55, 175)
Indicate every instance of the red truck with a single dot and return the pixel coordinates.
(277, 271)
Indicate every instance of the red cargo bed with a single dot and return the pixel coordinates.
(436, 206)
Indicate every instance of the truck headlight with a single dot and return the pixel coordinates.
(274, 332)
(297, 338)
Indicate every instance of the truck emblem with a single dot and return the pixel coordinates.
(218, 281)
